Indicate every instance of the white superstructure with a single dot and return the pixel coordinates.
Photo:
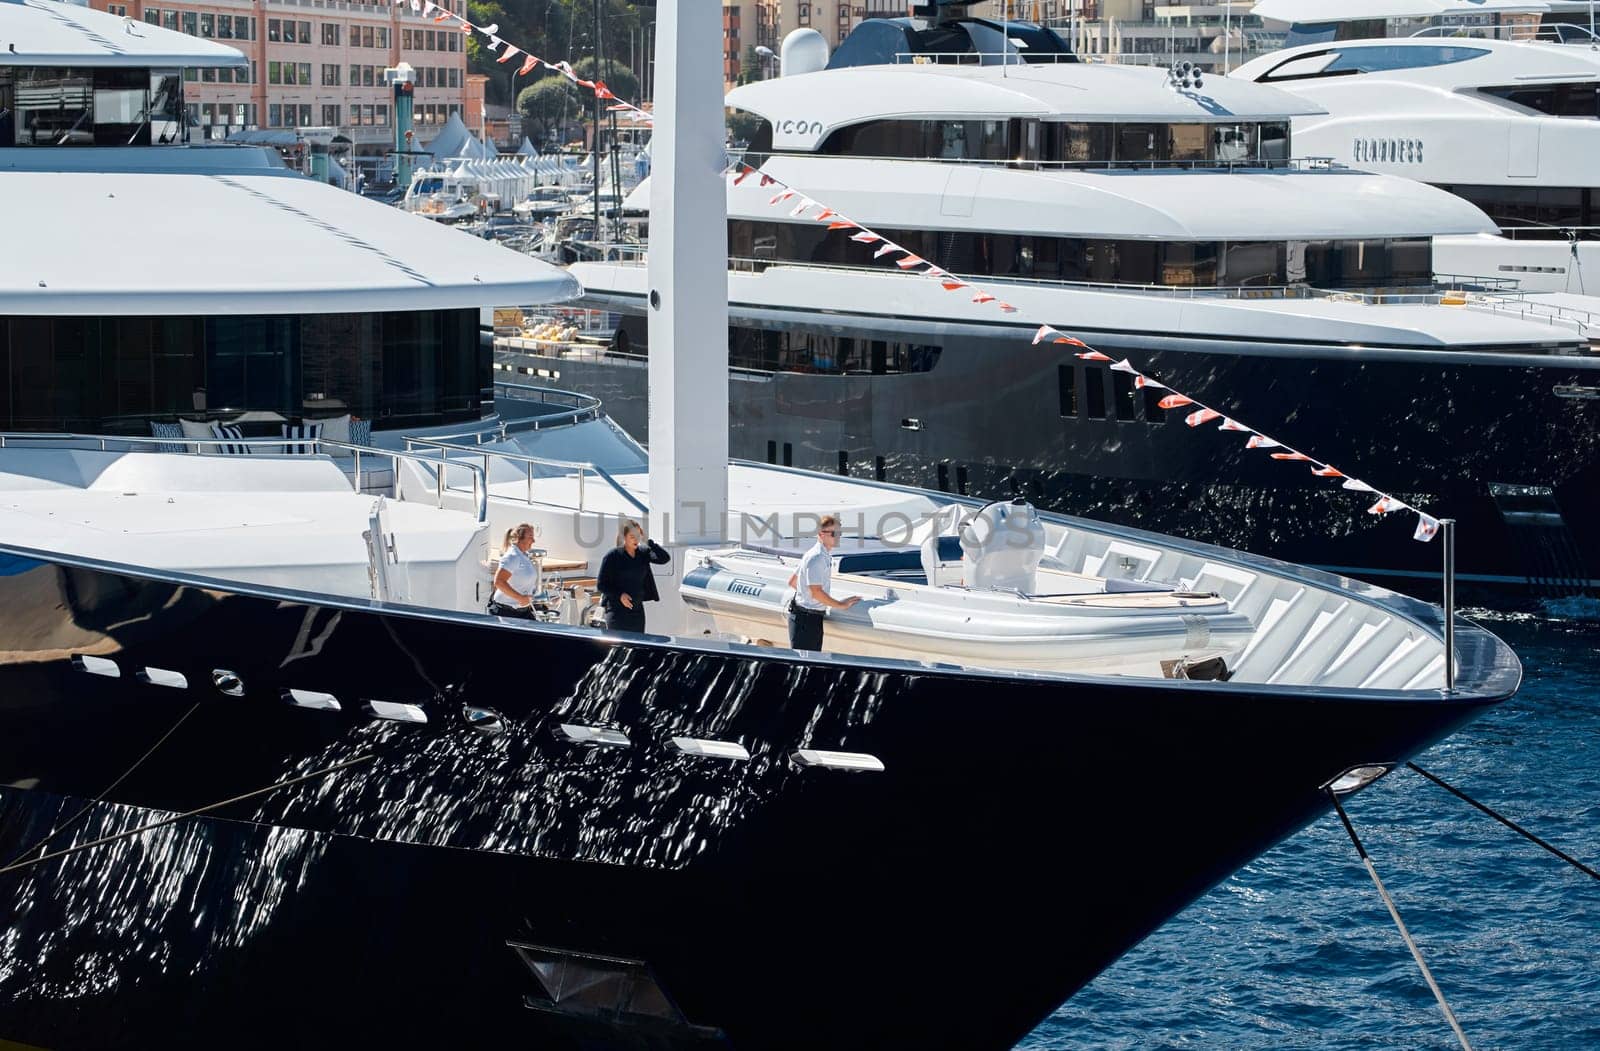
(1099, 194)
(1502, 111)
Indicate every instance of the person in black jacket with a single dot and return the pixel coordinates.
(625, 582)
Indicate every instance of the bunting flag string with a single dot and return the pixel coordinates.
(911, 263)
(508, 50)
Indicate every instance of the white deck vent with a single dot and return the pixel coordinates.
(708, 749)
(396, 711)
(96, 665)
(163, 677)
(859, 762)
(593, 736)
(317, 702)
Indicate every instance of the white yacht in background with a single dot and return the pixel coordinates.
(1495, 102)
(1161, 223)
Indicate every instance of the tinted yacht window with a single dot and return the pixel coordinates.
(1557, 100)
(1370, 58)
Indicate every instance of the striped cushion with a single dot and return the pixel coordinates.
(167, 430)
(302, 431)
(219, 431)
(360, 432)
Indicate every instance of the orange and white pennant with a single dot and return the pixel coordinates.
(1427, 527)
(1204, 415)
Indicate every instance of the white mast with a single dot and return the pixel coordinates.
(688, 279)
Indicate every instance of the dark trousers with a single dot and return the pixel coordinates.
(805, 628)
(515, 612)
(620, 619)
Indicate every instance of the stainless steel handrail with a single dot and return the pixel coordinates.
(106, 441)
(1441, 284)
(581, 467)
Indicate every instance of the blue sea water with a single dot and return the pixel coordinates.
(1297, 950)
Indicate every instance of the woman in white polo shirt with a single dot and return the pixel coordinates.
(517, 578)
(810, 582)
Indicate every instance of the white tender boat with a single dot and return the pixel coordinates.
(986, 597)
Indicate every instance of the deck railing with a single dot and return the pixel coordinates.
(274, 447)
(526, 464)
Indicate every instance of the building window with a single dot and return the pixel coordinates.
(169, 20)
(331, 32)
(429, 37)
(118, 9)
(355, 76)
(274, 73)
(369, 76)
(383, 115)
(305, 31)
(330, 115)
(383, 36)
(274, 115)
(274, 30)
(208, 75)
(152, 15)
(190, 23)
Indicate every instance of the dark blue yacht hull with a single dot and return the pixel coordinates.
(1507, 444)
(449, 885)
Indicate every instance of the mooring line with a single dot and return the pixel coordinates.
(1416, 953)
(112, 787)
(1512, 825)
(15, 865)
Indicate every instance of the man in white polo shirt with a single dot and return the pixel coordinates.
(810, 583)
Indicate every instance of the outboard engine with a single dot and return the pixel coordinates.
(1001, 547)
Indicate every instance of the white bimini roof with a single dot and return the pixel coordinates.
(47, 33)
(273, 243)
(1358, 10)
(804, 108)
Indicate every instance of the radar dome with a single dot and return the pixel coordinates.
(804, 51)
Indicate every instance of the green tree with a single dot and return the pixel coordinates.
(750, 66)
(617, 76)
(550, 104)
(555, 30)
(741, 125)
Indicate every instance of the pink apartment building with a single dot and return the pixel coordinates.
(315, 63)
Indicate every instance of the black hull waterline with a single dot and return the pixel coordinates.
(1023, 834)
(1506, 444)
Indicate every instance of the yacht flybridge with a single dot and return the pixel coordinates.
(1496, 103)
(1161, 223)
(261, 737)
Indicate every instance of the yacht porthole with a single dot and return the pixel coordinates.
(227, 682)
